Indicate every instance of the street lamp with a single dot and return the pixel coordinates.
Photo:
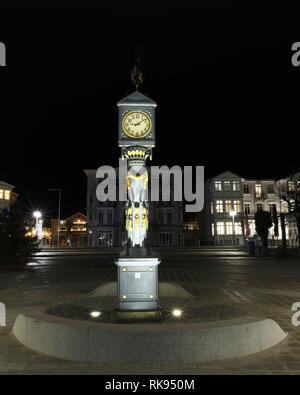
(233, 214)
(38, 225)
(59, 200)
(37, 215)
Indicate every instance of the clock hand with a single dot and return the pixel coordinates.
(140, 122)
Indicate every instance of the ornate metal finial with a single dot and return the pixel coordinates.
(136, 74)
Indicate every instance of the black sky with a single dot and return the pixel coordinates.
(226, 90)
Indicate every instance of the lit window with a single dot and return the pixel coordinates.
(211, 208)
(291, 186)
(258, 190)
(237, 206)
(236, 186)
(1, 193)
(227, 186)
(220, 228)
(105, 238)
(246, 188)
(238, 228)
(227, 206)
(213, 229)
(252, 229)
(79, 222)
(229, 228)
(219, 206)
(247, 208)
(218, 186)
(292, 205)
(7, 194)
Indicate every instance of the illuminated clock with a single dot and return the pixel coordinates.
(136, 124)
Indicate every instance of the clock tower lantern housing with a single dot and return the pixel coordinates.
(136, 124)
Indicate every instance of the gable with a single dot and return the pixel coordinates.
(4, 184)
(77, 215)
(226, 174)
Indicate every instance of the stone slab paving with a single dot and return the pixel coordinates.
(262, 287)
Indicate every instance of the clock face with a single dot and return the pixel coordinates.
(136, 124)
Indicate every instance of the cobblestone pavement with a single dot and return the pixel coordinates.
(264, 287)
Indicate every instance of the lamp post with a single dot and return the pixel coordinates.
(38, 225)
(59, 204)
(233, 214)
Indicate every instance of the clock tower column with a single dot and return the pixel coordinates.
(137, 267)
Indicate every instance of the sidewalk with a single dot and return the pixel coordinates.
(201, 251)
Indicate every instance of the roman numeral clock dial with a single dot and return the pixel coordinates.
(136, 124)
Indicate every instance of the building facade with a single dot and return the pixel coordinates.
(263, 195)
(227, 194)
(106, 220)
(222, 195)
(7, 195)
(227, 219)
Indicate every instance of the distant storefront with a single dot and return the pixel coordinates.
(72, 231)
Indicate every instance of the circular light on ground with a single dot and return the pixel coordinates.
(95, 314)
(176, 313)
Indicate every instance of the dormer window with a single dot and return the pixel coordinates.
(7, 194)
(236, 186)
(218, 186)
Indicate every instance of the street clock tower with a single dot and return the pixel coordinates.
(137, 267)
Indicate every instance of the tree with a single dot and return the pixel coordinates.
(290, 193)
(13, 243)
(263, 222)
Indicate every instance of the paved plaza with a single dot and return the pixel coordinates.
(263, 287)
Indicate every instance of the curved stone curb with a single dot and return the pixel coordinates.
(166, 289)
(146, 343)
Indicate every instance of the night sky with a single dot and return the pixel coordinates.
(227, 93)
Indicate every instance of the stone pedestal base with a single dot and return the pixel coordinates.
(146, 344)
(138, 283)
(135, 316)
